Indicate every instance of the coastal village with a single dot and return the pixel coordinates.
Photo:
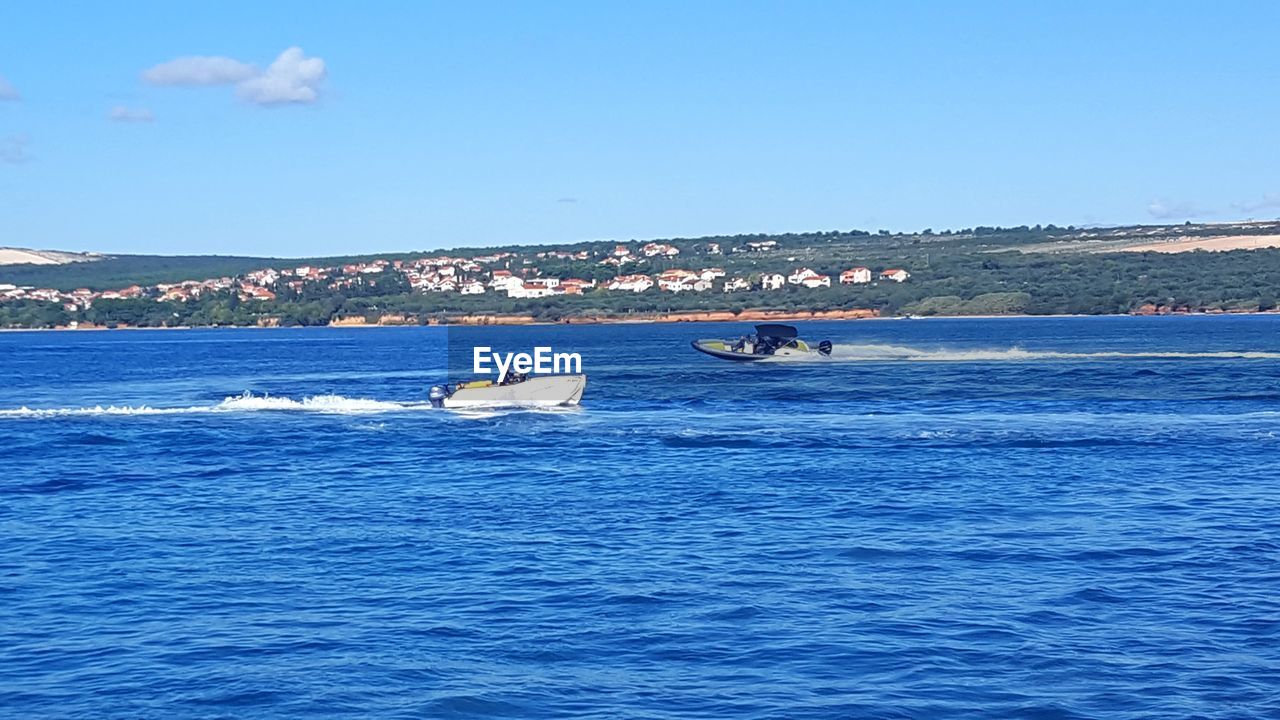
(505, 273)
(1139, 270)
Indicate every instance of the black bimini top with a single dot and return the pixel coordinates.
(782, 332)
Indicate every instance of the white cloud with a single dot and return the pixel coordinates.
(199, 70)
(292, 78)
(1268, 201)
(1166, 210)
(8, 91)
(13, 150)
(120, 113)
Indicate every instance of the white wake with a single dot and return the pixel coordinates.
(891, 353)
(248, 402)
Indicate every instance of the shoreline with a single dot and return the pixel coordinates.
(653, 319)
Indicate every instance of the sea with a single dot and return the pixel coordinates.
(948, 518)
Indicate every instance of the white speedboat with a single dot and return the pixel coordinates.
(770, 341)
(535, 391)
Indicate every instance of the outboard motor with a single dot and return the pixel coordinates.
(437, 395)
(824, 348)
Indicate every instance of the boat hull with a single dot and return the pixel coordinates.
(539, 391)
(721, 349)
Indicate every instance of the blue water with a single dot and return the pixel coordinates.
(954, 518)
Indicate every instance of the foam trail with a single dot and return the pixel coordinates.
(248, 402)
(97, 410)
(893, 353)
(319, 403)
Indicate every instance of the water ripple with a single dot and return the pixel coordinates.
(1083, 527)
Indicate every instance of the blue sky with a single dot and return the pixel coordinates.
(418, 125)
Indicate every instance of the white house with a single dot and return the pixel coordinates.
(676, 280)
(736, 285)
(504, 280)
(631, 283)
(474, 287)
(855, 276)
(772, 281)
(266, 276)
(618, 261)
(528, 290)
(895, 274)
(816, 281)
(799, 276)
(656, 249)
(688, 284)
(575, 286)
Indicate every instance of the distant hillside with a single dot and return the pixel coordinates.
(1224, 267)
(24, 256)
(50, 269)
(116, 271)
